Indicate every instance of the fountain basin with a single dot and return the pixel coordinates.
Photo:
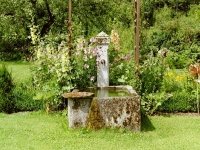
(102, 110)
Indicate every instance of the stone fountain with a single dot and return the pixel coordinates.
(85, 109)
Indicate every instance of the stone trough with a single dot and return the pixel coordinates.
(121, 110)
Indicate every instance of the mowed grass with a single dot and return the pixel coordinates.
(20, 70)
(41, 131)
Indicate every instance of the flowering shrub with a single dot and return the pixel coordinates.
(174, 82)
(150, 75)
(55, 72)
(149, 81)
(121, 65)
(51, 71)
(84, 62)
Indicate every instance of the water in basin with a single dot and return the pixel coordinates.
(103, 93)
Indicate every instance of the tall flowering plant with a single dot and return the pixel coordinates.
(51, 71)
(84, 63)
(121, 64)
(55, 72)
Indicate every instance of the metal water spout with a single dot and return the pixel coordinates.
(103, 41)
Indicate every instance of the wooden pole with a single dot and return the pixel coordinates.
(197, 67)
(70, 27)
(137, 31)
(197, 97)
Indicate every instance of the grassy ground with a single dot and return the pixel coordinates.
(20, 70)
(39, 131)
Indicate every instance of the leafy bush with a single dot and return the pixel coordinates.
(149, 81)
(152, 101)
(177, 32)
(150, 75)
(122, 71)
(56, 71)
(7, 102)
(23, 95)
(181, 88)
(183, 101)
(174, 81)
(121, 65)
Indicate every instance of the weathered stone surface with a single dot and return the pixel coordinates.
(103, 41)
(78, 111)
(78, 95)
(119, 112)
(94, 120)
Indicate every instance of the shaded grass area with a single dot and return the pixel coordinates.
(20, 70)
(39, 131)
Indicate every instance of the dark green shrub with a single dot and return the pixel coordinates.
(23, 95)
(7, 101)
(11, 56)
(180, 102)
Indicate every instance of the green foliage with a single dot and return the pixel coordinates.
(7, 101)
(23, 95)
(176, 31)
(122, 71)
(84, 63)
(179, 60)
(121, 63)
(149, 81)
(55, 71)
(153, 101)
(183, 101)
(50, 71)
(150, 75)
(180, 86)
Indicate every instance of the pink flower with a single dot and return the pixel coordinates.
(80, 46)
(94, 52)
(85, 51)
(86, 66)
(92, 78)
(128, 56)
(85, 58)
(92, 40)
(77, 53)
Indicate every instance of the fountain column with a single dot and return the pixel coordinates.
(103, 41)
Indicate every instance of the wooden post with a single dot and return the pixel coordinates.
(197, 68)
(137, 30)
(197, 97)
(70, 26)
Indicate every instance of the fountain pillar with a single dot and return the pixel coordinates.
(103, 41)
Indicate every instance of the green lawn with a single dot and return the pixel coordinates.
(39, 131)
(20, 70)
